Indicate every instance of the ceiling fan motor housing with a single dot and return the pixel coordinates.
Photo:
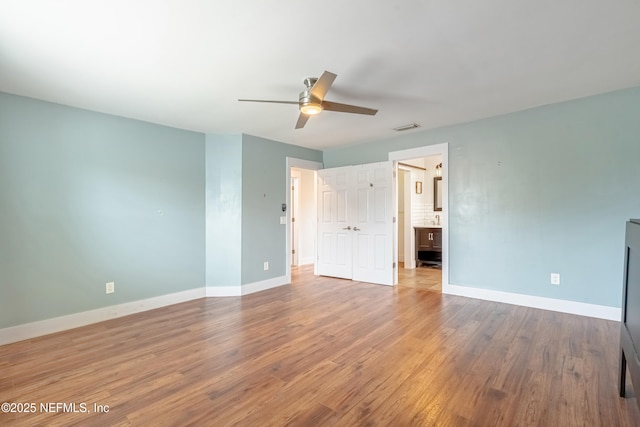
(309, 104)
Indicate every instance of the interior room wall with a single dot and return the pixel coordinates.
(89, 198)
(246, 187)
(223, 210)
(541, 191)
(264, 187)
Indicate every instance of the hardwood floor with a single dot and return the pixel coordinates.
(324, 352)
(423, 277)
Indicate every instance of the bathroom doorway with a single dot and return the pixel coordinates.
(422, 232)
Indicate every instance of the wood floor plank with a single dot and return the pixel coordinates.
(330, 352)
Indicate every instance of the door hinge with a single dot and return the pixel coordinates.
(293, 251)
(394, 219)
(394, 265)
(293, 220)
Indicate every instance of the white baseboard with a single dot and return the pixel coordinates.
(264, 285)
(57, 324)
(563, 306)
(49, 326)
(250, 288)
(306, 261)
(63, 323)
(223, 291)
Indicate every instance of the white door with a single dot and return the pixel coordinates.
(334, 223)
(373, 230)
(355, 223)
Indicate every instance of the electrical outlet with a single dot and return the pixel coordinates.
(266, 265)
(111, 287)
(555, 278)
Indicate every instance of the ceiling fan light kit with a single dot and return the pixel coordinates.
(308, 104)
(311, 108)
(311, 101)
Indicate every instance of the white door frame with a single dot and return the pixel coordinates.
(292, 162)
(426, 151)
(407, 220)
(294, 224)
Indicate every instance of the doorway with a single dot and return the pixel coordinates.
(419, 224)
(301, 224)
(422, 173)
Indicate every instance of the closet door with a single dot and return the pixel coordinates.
(355, 223)
(334, 223)
(373, 231)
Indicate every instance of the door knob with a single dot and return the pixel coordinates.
(356, 229)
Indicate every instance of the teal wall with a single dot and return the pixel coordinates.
(224, 210)
(88, 198)
(535, 192)
(264, 190)
(246, 186)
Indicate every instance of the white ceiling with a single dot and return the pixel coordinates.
(184, 63)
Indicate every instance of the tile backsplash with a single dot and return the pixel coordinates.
(422, 213)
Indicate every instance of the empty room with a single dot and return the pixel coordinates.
(269, 213)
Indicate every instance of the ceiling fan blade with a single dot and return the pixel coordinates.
(273, 102)
(302, 120)
(346, 108)
(319, 90)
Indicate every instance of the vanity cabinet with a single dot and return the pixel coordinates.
(428, 246)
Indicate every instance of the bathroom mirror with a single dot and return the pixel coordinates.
(437, 193)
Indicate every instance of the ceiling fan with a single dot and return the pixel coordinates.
(311, 101)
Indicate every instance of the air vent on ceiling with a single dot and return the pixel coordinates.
(406, 127)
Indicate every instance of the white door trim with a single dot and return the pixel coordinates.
(293, 225)
(409, 261)
(426, 151)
